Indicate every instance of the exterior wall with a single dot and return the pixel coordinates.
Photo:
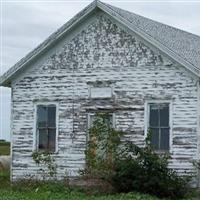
(106, 54)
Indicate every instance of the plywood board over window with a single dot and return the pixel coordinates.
(100, 92)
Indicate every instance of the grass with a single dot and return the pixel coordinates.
(67, 195)
(30, 190)
(4, 148)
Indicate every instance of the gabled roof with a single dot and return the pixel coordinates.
(180, 45)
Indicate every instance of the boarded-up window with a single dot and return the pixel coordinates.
(159, 126)
(46, 127)
(100, 92)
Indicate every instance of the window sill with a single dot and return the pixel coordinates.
(162, 152)
(47, 152)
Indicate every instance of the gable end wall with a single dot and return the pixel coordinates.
(102, 53)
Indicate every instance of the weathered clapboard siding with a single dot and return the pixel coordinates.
(102, 51)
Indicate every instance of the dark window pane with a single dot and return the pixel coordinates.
(164, 115)
(42, 116)
(51, 116)
(52, 139)
(155, 138)
(164, 139)
(43, 139)
(154, 115)
(46, 124)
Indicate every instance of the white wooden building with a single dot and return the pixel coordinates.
(105, 59)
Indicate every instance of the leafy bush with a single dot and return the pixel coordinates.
(46, 159)
(141, 169)
(101, 148)
(128, 167)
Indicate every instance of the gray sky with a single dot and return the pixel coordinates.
(25, 24)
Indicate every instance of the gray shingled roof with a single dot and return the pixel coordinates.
(184, 47)
(185, 44)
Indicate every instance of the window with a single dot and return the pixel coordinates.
(46, 127)
(159, 126)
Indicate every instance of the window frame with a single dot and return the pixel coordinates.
(147, 121)
(36, 135)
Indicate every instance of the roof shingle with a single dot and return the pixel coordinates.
(185, 44)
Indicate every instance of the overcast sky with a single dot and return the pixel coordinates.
(25, 24)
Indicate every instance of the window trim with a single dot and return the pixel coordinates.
(147, 117)
(35, 135)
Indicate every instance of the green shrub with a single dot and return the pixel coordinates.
(46, 159)
(142, 170)
(101, 148)
(128, 167)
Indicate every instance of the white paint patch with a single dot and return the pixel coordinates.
(101, 92)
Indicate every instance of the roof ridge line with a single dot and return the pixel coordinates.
(162, 23)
